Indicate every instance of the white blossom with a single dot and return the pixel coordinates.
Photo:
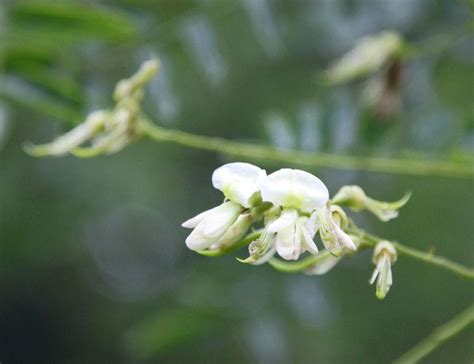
(225, 224)
(296, 196)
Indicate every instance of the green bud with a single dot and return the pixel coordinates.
(356, 199)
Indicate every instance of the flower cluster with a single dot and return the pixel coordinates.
(106, 131)
(294, 207)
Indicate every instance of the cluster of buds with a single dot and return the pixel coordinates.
(294, 207)
(105, 131)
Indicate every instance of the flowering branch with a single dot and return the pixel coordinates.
(438, 336)
(109, 131)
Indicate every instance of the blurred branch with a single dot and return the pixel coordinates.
(440, 335)
(441, 42)
(261, 152)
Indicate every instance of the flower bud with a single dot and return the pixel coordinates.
(128, 87)
(384, 256)
(332, 220)
(356, 199)
(64, 144)
(368, 55)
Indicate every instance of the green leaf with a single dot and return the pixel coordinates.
(25, 95)
(67, 21)
(166, 330)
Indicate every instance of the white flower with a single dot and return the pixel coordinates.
(211, 225)
(293, 188)
(238, 181)
(226, 224)
(332, 235)
(384, 256)
(295, 195)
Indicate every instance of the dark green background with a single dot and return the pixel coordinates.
(93, 266)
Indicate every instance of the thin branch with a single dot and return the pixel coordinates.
(300, 265)
(261, 152)
(441, 42)
(440, 335)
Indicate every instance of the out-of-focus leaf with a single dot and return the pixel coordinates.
(167, 329)
(454, 82)
(65, 21)
(54, 82)
(17, 91)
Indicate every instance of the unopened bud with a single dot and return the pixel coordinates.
(385, 255)
(356, 199)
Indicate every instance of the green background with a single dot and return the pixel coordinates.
(93, 266)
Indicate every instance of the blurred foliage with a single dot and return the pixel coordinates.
(93, 266)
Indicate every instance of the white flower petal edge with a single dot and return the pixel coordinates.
(294, 235)
(287, 217)
(288, 243)
(238, 181)
(212, 225)
(194, 221)
(294, 188)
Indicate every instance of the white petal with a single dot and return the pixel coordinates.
(198, 241)
(238, 181)
(294, 188)
(288, 244)
(287, 217)
(220, 219)
(194, 221)
(375, 273)
(236, 231)
(307, 243)
(311, 224)
(344, 239)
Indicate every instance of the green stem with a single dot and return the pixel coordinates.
(435, 260)
(261, 152)
(300, 265)
(440, 335)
